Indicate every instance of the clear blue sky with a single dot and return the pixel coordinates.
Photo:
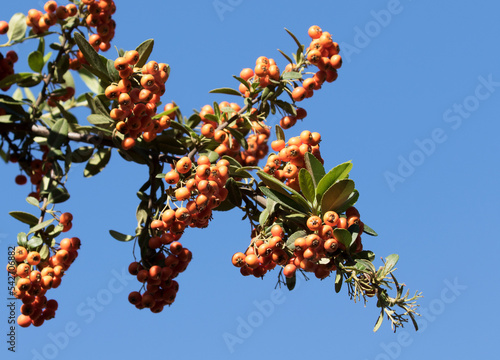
(416, 108)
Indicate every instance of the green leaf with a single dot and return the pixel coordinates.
(67, 115)
(17, 27)
(315, 168)
(82, 154)
(379, 321)
(34, 243)
(290, 282)
(368, 230)
(240, 138)
(40, 226)
(234, 194)
(32, 201)
(336, 195)
(365, 254)
(283, 200)
(280, 134)
(338, 281)
(224, 206)
(57, 196)
(339, 172)
(24, 217)
(91, 56)
(19, 78)
(290, 242)
(121, 237)
(227, 91)
(22, 239)
(277, 185)
(91, 81)
(58, 133)
(144, 50)
(307, 185)
(391, 261)
(178, 126)
(350, 201)
(112, 72)
(35, 61)
(44, 252)
(292, 75)
(97, 162)
(294, 38)
(343, 236)
(264, 215)
(286, 56)
(286, 106)
(98, 119)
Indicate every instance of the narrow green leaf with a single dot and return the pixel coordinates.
(277, 185)
(121, 237)
(17, 27)
(144, 50)
(97, 162)
(315, 168)
(91, 56)
(35, 61)
(283, 200)
(58, 133)
(98, 119)
(368, 230)
(307, 185)
(40, 226)
(339, 172)
(365, 254)
(227, 91)
(336, 195)
(280, 134)
(294, 38)
(286, 106)
(379, 321)
(24, 217)
(286, 56)
(264, 215)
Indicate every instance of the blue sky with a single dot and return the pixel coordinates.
(416, 108)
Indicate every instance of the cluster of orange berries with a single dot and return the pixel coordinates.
(7, 66)
(41, 22)
(202, 185)
(37, 169)
(312, 253)
(286, 164)
(137, 95)
(264, 73)
(322, 52)
(157, 276)
(34, 277)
